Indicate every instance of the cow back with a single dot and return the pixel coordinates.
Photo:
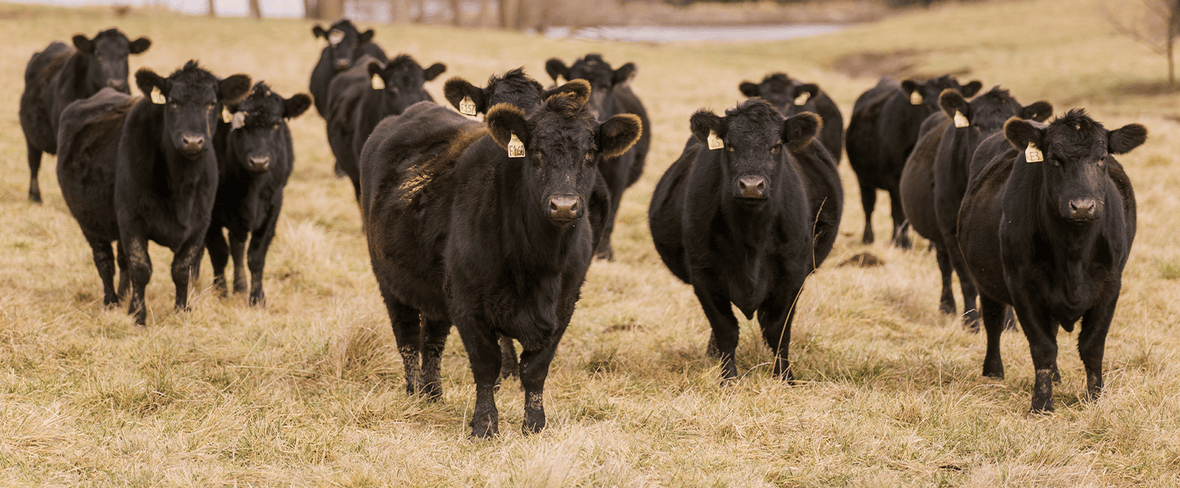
(89, 136)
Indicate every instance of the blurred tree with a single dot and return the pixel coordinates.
(255, 11)
(212, 11)
(1153, 23)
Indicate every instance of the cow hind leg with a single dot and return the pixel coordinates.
(124, 274)
(604, 250)
(34, 170)
(946, 303)
(433, 343)
(993, 323)
(868, 200)
(901, 226)
(407, 332)
(104, 260)
(218, 257)
(237, 252)
(140, 264)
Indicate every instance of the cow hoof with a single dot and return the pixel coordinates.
(35, 197)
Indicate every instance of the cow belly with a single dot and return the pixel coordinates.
(748, 289)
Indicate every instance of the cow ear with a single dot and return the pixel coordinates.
(749, 89)
(83, 44)
(1038, 111)
(147, 79)
(909, 86)
(618, 134)
(233, 88)
(811, 89)
(505, 121)
(456, 89)
(434, 70)
(624, 74)
(374, 68)
(703, 123)
(366, 36)
(140, 45)
(1020, 133)
(579, 89)
(800, 129)
(557, 69)
(319, 31)
(969, 90)
(296, 105)
(1125, 139)
(952, 101)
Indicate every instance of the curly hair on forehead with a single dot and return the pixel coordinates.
(755, 108)
(568, 105)
(1075, 127)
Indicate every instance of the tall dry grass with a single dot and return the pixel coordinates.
(309, 390)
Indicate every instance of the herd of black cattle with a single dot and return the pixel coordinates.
(491, 226)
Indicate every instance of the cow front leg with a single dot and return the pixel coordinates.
(34, 170)
(725, 329)
(868, 200)
(140, 264)
(237, 252)
(1092, 344)
(104, 260)
(483, 352)
(993, 322)
(534, 369)
(218, 257)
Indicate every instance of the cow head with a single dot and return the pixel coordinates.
(192, 98)
(597, 72)
(785, 94)
(258, 129)
(105, 58)
(752, 137)
(1073, 150)
(402, 82)
(344, 42)
(987, 113)
(514, 88)
(926, 93)
(562, 141)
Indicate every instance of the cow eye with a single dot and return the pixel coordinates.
(1055, 162)
(776, 148)
(210, 106)
(729, 148)
(274, 127)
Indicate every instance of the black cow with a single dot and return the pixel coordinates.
(610, 94)
(935, 177)
(369, 91)
(345, 45)
(792, 97)
(255, 156)
(60, 74)
(499, 244)
(730, 217)
(89, 136)
(881, 134)
(1046, 226)
(166, 172)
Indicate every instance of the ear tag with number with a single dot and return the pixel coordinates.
(226, 117)
(515, 147)
(335, 37)
(1032, 154)
(158, 96)
(377, 82)
(915, 98)
(802, 98)
(467, 106)
(961, 120)
(714, 141)
(238, 121)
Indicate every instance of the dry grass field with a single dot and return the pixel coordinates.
(309, 390)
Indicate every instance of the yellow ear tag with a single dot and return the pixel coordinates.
(378, 83)
(802, 98)
(158, 96)
(238, 121)
(225, 115)
(515, 147)
(1032, 154)
(961, 120)
(335, 37)
(714, 141)
(915, 98)
(467, 106)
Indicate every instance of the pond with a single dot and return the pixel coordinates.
(667, 33)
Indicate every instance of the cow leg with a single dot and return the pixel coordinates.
(484, 356)
(725, 329)
(260, 241)
(1041, 332)
(993, 323)
(34, 170)
(901, 226)
(1092, 343)
(184, 262)
(104, 260)
(407, 331)
(433, 343)
(775, 316)
(140, 264)
(237, 252)
(508, 363)
(868, 200)
(599, 210)
(604, 251)
(534, 369)
(946, 303)
(218, 257)
(124, 275)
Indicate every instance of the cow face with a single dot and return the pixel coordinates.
(1074, 149)
(258, 132)
(783, 93)
(403, 81)
(561, 140)
(597, 72)
(344, 43)
(987, 113)
(926, 93)
(106, 58)
(750, 140)
(192, 99)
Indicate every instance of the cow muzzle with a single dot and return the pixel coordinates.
(259, 164)
(192, 145)
(120, 85)
(564, 209)
(1083, 210)
(342, 64)
(752, 187)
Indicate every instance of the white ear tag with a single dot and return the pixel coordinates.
(226, 117)
(961, 120)
(158, 96)
(238, 121)
(802, 98)
(467, 106)
(915, 98)
(1032, 154)
(377, 82)
(335, 37)
(714, 141)
(515, 147)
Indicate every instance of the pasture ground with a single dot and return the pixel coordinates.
(309, 390)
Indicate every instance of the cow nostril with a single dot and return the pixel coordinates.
(193, 142)
(752, 186)
(260, 162)
(563, 208)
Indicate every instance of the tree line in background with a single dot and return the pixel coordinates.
(507, 14)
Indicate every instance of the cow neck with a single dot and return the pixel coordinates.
(76, 67)
(963, 147)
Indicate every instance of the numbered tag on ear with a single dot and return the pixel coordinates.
(158, 96)
(961, 120)
(915, 98)
(335, 37)
(226, 117)
(238, 121)
(714, 141)
(1032, 154)
(515, 147)
(467, 106)
(802, 98)
(377, 82)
